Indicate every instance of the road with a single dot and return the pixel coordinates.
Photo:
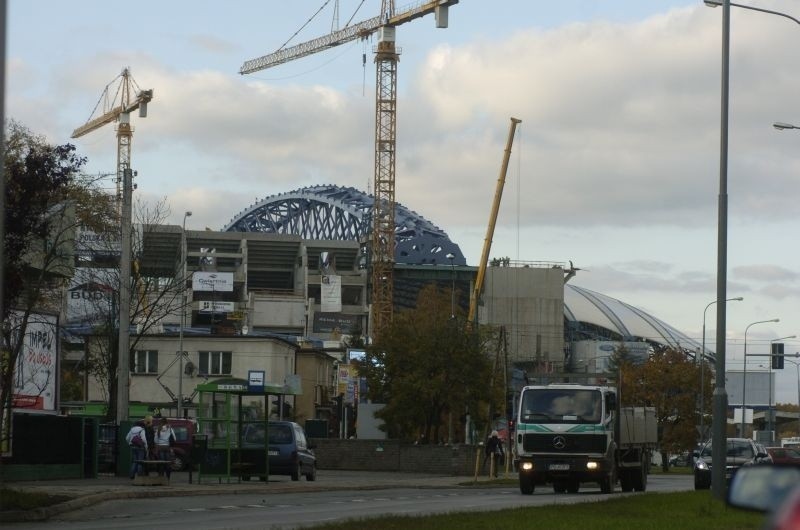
(293, 510)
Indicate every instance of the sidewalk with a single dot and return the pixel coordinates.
(86, 492)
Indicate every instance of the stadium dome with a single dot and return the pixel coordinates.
(330, 212)
(592, 315)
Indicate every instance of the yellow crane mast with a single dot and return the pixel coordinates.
(386, 58)
(119, 98)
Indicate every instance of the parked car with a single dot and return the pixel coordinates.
(288, 449)
(182, 448)
(739, 452)
(784, 455)
(682, 460)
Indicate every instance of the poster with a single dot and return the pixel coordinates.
(36, 374)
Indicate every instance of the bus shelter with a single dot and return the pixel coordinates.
(233, 420)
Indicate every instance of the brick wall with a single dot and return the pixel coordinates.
(393, 455)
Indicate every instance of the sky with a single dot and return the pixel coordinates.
(615, 166)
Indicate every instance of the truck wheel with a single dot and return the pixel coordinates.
(573, 486)
(525, 484)
(559, 487)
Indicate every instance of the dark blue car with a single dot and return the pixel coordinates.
(288, 449)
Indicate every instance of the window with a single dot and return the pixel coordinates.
(144, 362)
(215, 362)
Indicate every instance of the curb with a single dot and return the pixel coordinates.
(46, 512)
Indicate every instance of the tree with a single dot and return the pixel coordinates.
(156, 293)
(668, 381)
(427, 366)
(46, 198)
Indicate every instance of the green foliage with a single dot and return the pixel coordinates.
(425, 367)
(670, 382)
(692, 510)
(12, 499)
(38, 177)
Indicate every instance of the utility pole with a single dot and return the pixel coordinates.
(123, 362)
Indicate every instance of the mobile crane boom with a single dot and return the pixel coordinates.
(487, 242)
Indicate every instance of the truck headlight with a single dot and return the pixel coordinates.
(701, 464)
(527, 466)
(591, 465)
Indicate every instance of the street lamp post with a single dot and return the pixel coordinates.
(183, 314)
(703, 364)
(744, 372)
(451, 257)
(781, 126)
(717, 3)
(770, 420)
(797, 368)
(719, 445)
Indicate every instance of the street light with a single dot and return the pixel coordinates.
(781, 126)
(717, 3)
(719, 446)
(769, 408)
(797, 367)
(703, 364)
(183, 314)
(451, 257)
(744, 372)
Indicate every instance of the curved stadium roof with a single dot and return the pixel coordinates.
(585, 310)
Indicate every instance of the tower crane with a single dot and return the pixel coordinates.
(118, 101)
(386, 58)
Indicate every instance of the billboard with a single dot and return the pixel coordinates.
(212, 281)
(757, 388)
(35, 384)
(331, 294)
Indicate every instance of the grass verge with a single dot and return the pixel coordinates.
(11, 499)
(691, 510)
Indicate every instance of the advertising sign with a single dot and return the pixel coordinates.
(332, 322)
(212, 281)
(207, 306)
(35, 378)
(331, 294)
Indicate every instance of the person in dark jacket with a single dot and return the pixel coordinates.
(494, 453)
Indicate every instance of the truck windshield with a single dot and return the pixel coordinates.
(559, 405)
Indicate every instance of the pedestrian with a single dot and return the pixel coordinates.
(137, 441)
(164, 437)
(494, 452)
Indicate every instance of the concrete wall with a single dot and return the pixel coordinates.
(393, 455)
(529, 302)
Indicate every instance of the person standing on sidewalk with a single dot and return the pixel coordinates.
(494, 453)
(137, 441)
(163, 437)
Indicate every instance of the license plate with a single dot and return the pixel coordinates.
(558, 467)
(274, 453)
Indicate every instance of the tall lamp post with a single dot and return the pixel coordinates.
(797, 367)
(771, 359)
(781, 126)
(703, 364)
(451, 257)
(744, 372)
(183, 314)
(719, 445)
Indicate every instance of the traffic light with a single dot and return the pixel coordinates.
(777, 356)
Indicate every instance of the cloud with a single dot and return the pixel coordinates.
(766, 273)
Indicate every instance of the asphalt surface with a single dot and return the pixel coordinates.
(86, 492)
